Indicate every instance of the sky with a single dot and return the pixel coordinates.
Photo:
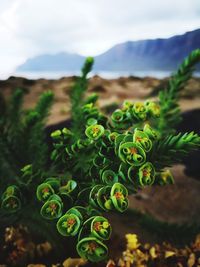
(88, 27)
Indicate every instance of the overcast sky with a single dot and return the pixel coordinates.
(87, 27)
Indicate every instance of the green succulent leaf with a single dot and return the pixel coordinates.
(69, 187)
(117, 116)
(93, 195)
(103, 198)
(119, 195)
(152, 133)
(79, 211)
(142, 139)
(52, 208)
(109, 177)
(44, 191)
(139, 111)
(92, 249)
(11, 204)
(94, 132)
(11, 190)
(132, 153)
(92, 121)
(100, 228)
(69, 224)
(56, 134)
(53, 182)
(146, 174)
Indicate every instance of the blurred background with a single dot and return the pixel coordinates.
(136, 45)
(51, 38)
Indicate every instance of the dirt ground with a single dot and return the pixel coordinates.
(109, 91)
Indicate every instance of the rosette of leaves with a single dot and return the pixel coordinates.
(47, 189)
(139, 111)
(119, 195)
(142, 139)
(103, 198)
(69, 224)
(117, 116)
(94, 132)
(146, 174)
(132, 153)
(112, 137)
(92, 249)
(119, 119)
(90, 245)
(100, 197)
(142, 176)
(52, 208)
(100, 228)
(11, 199)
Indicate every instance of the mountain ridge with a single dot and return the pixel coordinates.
(147, 54)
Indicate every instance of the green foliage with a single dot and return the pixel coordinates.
(22, 134)
(77, 97)
(170, 112)
(96, 163)
(172, 148)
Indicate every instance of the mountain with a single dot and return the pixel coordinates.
(57, 62)
(152, 54)
(161, 54)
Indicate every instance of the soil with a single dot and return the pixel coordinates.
(109, 91)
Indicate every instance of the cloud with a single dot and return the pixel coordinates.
(31, 27)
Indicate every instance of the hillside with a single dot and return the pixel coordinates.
(155, 54)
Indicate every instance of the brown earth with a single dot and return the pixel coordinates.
(110, 91)
(178, 204)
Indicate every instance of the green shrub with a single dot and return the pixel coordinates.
(96, 164)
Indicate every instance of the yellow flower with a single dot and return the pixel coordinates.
(153, 253)
(169, 253)
(132, 241)
(105, 224)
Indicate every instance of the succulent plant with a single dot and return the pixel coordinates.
(97, 163)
